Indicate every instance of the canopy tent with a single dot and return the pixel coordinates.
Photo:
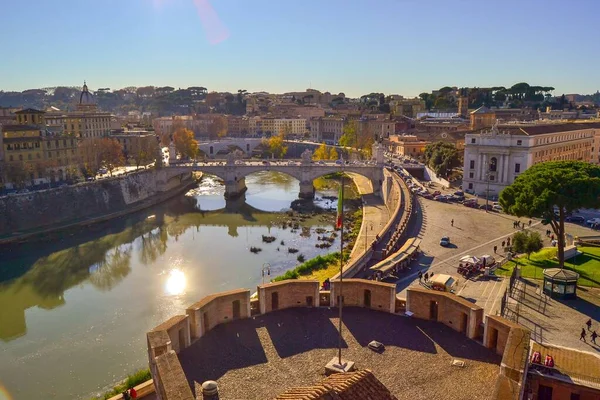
(470, 260)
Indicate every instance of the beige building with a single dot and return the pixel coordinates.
(493, 158)
(406, 145)
(85, 122)
(407, 107)
(327, 129)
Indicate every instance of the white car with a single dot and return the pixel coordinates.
(497, 207)
(592, 221)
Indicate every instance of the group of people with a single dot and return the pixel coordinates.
(593, 335)
(129, 394)
(425, 276)
(519, 224)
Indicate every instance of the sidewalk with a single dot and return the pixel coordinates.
(375, 216)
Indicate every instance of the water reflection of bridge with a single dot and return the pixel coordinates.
(38, 274)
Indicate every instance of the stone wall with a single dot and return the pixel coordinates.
(358, 292)
(178, 330)
(288, 293)
(216, 309)
(47, 208)
(452, 310)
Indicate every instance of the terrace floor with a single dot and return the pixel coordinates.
(261, 357)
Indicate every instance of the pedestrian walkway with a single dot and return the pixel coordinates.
(375, 215)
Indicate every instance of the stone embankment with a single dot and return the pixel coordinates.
(30, 215)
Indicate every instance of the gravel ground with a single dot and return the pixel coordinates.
(261, 357)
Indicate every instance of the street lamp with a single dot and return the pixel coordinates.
(266, 269)
(487, 192)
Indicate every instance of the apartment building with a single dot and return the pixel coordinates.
(327, 129)
(406, 145)
(494, 157)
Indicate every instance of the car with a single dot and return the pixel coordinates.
(437, 193)
(459, 193)
(339, 162)
(441, 198)
(497, 207)
(265, 162)
(487, 207)
(102, 171)
(592, 221)
(445, 241)
(321, 162)
(575, 218)
(428, 196)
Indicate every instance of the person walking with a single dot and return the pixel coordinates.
(594, 336)
(495, 249)
(589, 324)
(133, 393)
(503, 243)
(508, 242)
(420, 276)
(452, 222)
(582, 337)
(529, 222)
(426, 276)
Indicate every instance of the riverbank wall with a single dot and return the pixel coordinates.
(28, 215)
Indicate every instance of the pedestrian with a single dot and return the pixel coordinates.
(529, 222)
(495, 248)
(420, 276)
(582, 337)
(552, 238)
(503, 243)
(514, 224)
(133, 393)
(452, 222)
(589, 324)
(594, 336)
(426, 276)
(508, 242)
(125, 395)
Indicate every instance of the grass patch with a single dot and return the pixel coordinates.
(587, 265)
(132, 380)
(308, 267)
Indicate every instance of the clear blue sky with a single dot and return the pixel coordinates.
(354, 46)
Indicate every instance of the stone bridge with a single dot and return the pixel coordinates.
(233, 173)
(224, 146)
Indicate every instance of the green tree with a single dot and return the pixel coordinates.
(442, 157)
(527, 242)
(563, 186)
(185, 143)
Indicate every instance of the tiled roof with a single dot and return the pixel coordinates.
(532, 130)
(347, 386)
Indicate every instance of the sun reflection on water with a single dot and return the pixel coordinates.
(175, 282)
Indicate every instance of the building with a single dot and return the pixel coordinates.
(406, 145)
(286, 126)
(483, 117)
(407, 107)
(327, 129)
(140, 147)
(85, 122)
(494, 157)
(238, 126)
(37, 153)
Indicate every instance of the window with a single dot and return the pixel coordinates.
(517, 168)
(37, 145)
(473, 141)
(519, 142)
(10, 158)
(20, 157)
(470, 186)
(493, 164)
(472, 164)
(471, 175)
(491, 177)
(65, 142)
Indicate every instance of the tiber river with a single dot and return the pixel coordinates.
(74, 311)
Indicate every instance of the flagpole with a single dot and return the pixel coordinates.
(341, 301)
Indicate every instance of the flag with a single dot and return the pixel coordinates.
(340, 206)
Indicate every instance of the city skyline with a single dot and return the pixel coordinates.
(393, 47)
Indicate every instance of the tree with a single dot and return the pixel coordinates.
(89, 152)
(551, 190)
(185, 143)
(218, 128)
(527, 242)
(333, 154)
(321, 152)
(442, 157)
(276, 146)
(110, 154)
(144, 150)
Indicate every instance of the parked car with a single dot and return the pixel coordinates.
(497, 207)
(428, 196)
(441, 198)
(339, 162)
(265, 162)
(445, 241)
(592, 221)
(488, 207)
(459, 193)
(575, 218)
(102, 171)
(437, 193)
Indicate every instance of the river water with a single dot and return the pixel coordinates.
(74, 310)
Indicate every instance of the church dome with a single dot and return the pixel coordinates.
(86, 97)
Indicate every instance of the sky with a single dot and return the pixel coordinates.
(353, 46)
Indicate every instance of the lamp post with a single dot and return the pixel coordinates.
(266, 268)
(487, 192)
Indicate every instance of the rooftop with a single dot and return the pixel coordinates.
(270, 354)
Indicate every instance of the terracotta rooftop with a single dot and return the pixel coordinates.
(532, 130)
(349, 386)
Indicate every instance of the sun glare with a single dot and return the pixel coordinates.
(175, 282)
